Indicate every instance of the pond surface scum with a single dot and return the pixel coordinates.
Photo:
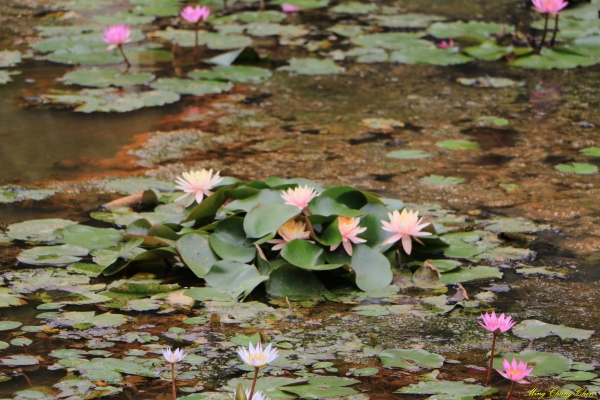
(366, 102)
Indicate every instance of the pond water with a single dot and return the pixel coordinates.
(480, 161)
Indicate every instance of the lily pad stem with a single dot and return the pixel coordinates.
(256, 369)
(489, 377)
(512, 386)
(124, 56)
(173, 381)
(555, 31)
(544, 35)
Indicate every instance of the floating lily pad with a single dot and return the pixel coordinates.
(429, 55)
(408, 154)
(578, 168)
(127, 186)
(347, 30)
(9, 58)
(89, 237)
(489, 51)
(384, 124)
(454, 390)
(8, 325)
(577, 376)
(106, 77)
(84, 4)
(41, 230)
(458, 145)
(5, 76)
(472, 29)
(113, 100)
(544, 363)
(494, 120)
(365, 372)
(253, 16)
(124, 18)
(353, 7)
(262, 29)
(438, 180)
(232, 74)
(52, 255)
(486, 81)
(513, 225)
(303, 4)
(215, 41)
(411, 359)
(20, 360)
(187, 86)
(534, 329)
(557, 58)
(84, 319)
(12, 194)
(86, 55)
(391, 40)
(87, 42)
(474, 274)
(312, 66)
(591, 151)
(322, 387)
(406, 20)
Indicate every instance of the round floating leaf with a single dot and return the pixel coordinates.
(347, 30)
(9, 58)
(513, 225)
(460, 249)
(196, 252)
(52, 255)
(411, 359)
(472, 29)
(267, 218)
(354, 7)
(215, 41)
(234, 277)
(294, 283)
(438, 180)
(206, 294)
(406, 20)
(494, 120)
(232, 74)
(365, 372)
(429, 55)
(8, 325)
(159, 10)
(486, 81)
(270, 29)
(20, 360)
(303, 4)
(372, 269)
(591, 151)
(89, 237)
(534, 329)
(253, 16)
(228, 241)
(559, 58)
(489, 51)
(577, 168)
(408, 154)
(391, 40)
(303, 254)
(106, 77)
(479, 273)
(127, 186)
(312, 66)
(187, 86)
(577, 376)
(458, 145)
(322, 387)
(454, 390)
(40, 230)
(123, 18)
(544, 363)
(11, 194)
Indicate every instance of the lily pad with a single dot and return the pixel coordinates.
(5, 76)
(322, 387)
(489, 51)
(106, 77)
(215, 41)
(438, 180)
(408, 154)
(20, 360)
(544, 363)
(429, 55)
(472, 29)
(486, 81)
(187, 86)
(262, 29)
(410, 359)
(455, 390)
(406, 20)
(534, 329)
(113, 100)
(8, 325)
(391, 40)
(591, 151)
(12, 194)
(89, 237)
(41, 230)
(52, 255)
(303, 4)
(458, 145)
(385, 124)
(124, 19)
(578, 168)
(353, 7)
(474, 274)
(557, 58)
(232, 74)
(312, 66)
(128, 186)
(577, 376)
(9, 58)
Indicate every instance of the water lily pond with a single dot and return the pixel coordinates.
(330, 124)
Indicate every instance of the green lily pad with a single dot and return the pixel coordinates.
(534, 329)
(438, 180)
(479, 273)
(128, 186)
(486, 81)
(89, 237)
(347, 30)
(124, 19)
(87, 42)
(235, 73)
(9, 58)
(197, 253)
(408, 154)
(489, 51)
(322, 387)
(252, 16)
(372, 269)
(142, 305)
(41, 230)
(265, 219)
(8, 325)
(454, 390)
(578, 168)
(294, 283)
(113, 100)
(187, 86)
(88, 319)
(52, 255)
(262, 29)
(391, 40)
(494, 120)
(303, 4)
(12, 194)
(106, 77)
(557, 58)
(268, 385)
(429, 55)
(406, 20)
(215, 41)
(159, 10)
(591, 151)
(84, 4)
(353, 7)
(365, 372)
(5, 76)
(411, 359)
(513, 225)
(109, 370)
(312, 66)
(472, 29)
(228, 241)
(20, 360)
(458, 145)
(544, 363)
(207, 293)
(87, 55)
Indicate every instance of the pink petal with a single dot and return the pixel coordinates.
(407, 244)
(348, 248)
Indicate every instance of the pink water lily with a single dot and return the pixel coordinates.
(404, 225)
(197, 184)
(299, 197)
(349, 229)
(515, 372)
(289, 231)
(549, 6)
(195, 14)
(496, 324)
(116, 35)
(289, 8)
(445, 45)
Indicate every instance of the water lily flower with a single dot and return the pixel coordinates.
(496, 325)
(116, 36)
(404, 225)
(300, 197)
(173, 357)
(289, 8)
(549, 6)
(256, 396)
(257, 357)
(515, 372)
(444, 45)
(289, 231)
(197, 184)
(349, 229)
(196, 14)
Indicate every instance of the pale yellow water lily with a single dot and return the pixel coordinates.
(404, 225)
(173, 357)
(197, 184)
(349, 229)
(299, 197)
(289, 231)
(257, 357)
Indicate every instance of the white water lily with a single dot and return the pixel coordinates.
(256, 356)
(173, 357)
(197, 184)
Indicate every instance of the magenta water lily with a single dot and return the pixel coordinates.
(496, 325)
(515, 372)
(195, 15)
(116, 36)
(548, 7)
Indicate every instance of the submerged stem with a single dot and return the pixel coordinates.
(173, 381)
(489, 377)
(256, 369)
(544, 35)
(124, 56)
(555, 31)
